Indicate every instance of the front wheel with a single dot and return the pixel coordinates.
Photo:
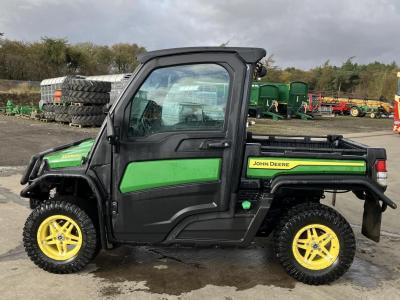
(314, 244)
(59, 237)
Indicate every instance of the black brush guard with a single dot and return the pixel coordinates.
(36, 161)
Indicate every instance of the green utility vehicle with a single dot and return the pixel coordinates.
(167, 169)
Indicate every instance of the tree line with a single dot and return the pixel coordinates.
(52, 57)
(374, 80)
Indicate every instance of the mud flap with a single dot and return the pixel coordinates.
(372, 218)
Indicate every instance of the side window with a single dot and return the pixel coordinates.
(180, 98)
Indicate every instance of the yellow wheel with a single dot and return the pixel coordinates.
(59, 237)
(316, 247)
(314, 243)
(355, 111)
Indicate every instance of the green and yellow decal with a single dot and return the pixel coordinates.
(268, 167)
(70, 157)
(144, 175)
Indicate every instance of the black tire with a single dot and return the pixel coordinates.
(65, 118)
(88, 85)
(75, 110)
(95, 120)
(45, 107)
(89, 237)
(314, 213)
(60, 109)
(49, 115)
(88, 97)
(48, 107)
(65, 98)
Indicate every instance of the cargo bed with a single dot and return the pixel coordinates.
(331, 146)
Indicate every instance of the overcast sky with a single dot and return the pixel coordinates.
(299, 33)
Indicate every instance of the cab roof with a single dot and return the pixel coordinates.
(247, 54)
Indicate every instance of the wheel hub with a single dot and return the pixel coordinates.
(316, 247)
(59, 237)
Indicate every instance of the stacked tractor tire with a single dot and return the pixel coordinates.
(82, 103)
(48, 112)
(87, 99)
(61, 113)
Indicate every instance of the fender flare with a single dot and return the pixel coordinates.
(372, 215)
(350, 182)
(26, 193)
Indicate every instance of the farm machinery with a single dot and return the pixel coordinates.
(264, 101)
(279, 100)
(357, 107)
(20, 110)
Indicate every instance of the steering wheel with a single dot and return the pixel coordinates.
(144, 126)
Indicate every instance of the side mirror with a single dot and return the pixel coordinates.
(111, 136)
(261, 71)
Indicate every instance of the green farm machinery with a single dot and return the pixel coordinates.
(20, 110)
(279, 100)
(264, 101)
(371, 111)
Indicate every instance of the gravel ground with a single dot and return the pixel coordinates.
(21, 138)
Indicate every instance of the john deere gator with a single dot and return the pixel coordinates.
(173, 165)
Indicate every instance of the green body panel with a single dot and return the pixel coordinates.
(303, 166)
(160, 173)
(70, 157)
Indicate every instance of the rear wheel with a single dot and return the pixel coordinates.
(355, 111)
(314, 244)
(59, 237)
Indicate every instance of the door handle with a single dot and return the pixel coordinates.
(218, 145)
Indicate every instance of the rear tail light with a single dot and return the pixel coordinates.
(381, 172)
